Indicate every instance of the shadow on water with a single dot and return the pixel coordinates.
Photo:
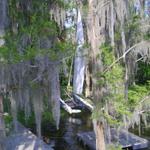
(65, 137)
(144, 133)
(70, 125)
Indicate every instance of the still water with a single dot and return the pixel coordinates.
(70, 125)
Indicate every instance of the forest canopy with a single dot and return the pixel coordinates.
(98, 49)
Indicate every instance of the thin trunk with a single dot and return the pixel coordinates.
(70, 74)
(124, 46)
(13, 103)
(96, 36)
(54, 84)
(3, 21)
(2, 125)
(99, 132)
(37, 98)
(87, 78)
(65, 68)
(112, 24)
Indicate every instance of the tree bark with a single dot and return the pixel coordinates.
(99, 132)
(3, 22)
(96, 36)
(87, 79)
(2, 126)
(112, 24)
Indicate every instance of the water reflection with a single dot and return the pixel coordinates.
(65, 138)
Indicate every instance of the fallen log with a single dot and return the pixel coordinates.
(86, 102)
(68, 108)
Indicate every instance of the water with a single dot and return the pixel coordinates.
(65, 138)
(70, 125)
(145, 133)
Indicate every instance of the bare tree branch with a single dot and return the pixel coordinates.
(123, 56)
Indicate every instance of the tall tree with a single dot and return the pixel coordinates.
(96, 36)
(79, 62)
(3, 23)
(105, 17)
(30, 62)
(2, 125)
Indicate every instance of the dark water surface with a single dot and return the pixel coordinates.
(70, 125)
(145, 133)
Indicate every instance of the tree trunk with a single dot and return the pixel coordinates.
(124, 47)
(3, 22)
(2, 126)
(96, 36)
(99, 132)
(79, 61)
(112, 24)
(87, 79)
(70, 74)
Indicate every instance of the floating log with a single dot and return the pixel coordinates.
(68, 108)
(125, 139)
(24, 139)
(86, 102)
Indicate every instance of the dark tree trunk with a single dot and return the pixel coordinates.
(2, 126)
(87, 79)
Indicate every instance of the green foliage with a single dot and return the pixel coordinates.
(147, 35)
(63, 83)
(132, 29)
(107, 54)
(21, 117)
(35, 24)
(4, 53)
(114, 82)
(47, 117)
(63, 4)
(111, 120)
(114, 98)
(114, 147)
(8, 123)
(98, 112)
(117, 36)
(133, 23)
(85, 9)
(136, 94)
(7, 119)
(143, 73)
(115, 74)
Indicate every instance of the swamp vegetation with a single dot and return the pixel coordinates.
(52, 49)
